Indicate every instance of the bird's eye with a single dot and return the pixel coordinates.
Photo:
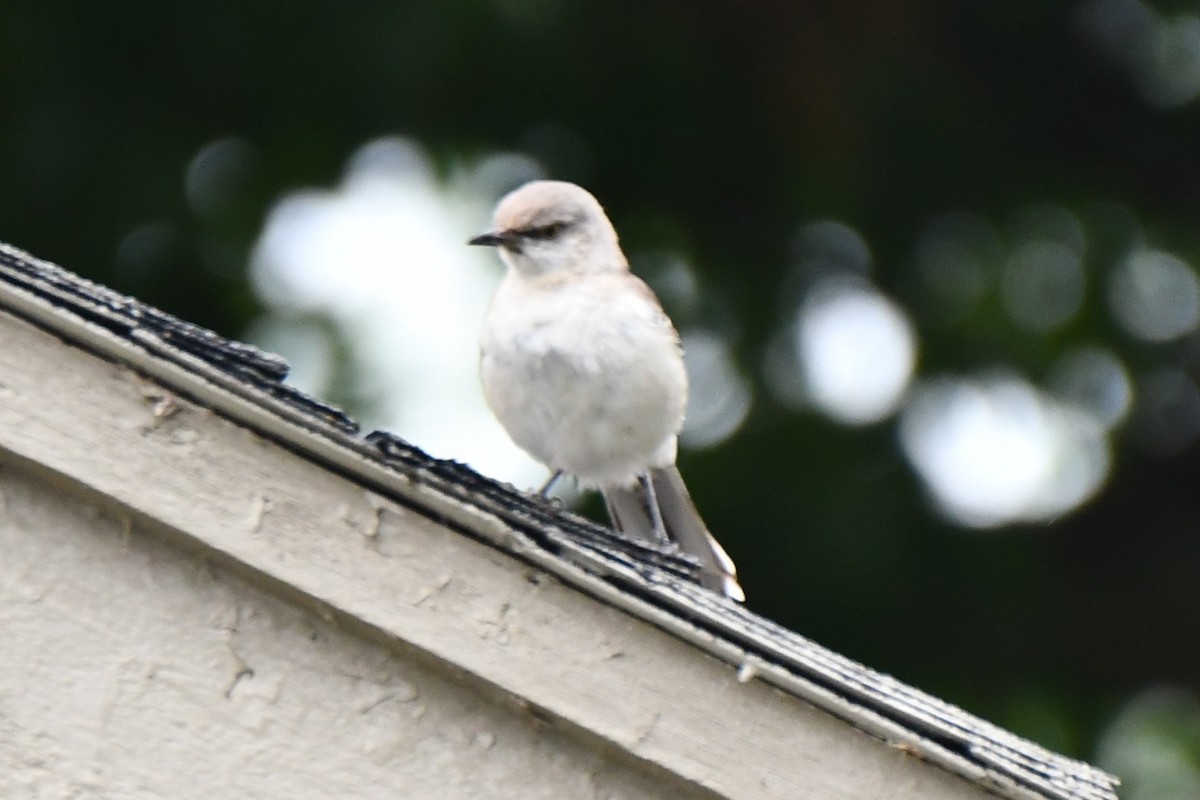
(548, 231)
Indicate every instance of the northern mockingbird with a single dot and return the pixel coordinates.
(585, 371)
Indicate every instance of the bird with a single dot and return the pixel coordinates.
(585, 371)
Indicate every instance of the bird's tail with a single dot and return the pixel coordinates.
(630, 513)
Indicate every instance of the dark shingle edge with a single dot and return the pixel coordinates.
(136, 321)
(876, 703)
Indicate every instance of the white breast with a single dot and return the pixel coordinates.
(586, 374)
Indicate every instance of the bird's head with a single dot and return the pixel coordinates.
(550, 226)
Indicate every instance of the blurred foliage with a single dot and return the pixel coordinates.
(712, 129)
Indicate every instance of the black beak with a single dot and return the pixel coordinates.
(493, 239)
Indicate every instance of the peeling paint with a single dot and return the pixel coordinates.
(260, 506)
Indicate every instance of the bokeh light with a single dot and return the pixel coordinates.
(1043, 284)
(856, 350)
(146, 250)
(1155, 295)
(1095, 381)
(719, 396)
(1161, 53)
(1043, 280)
(217, 174)
(1153, 744)
(1174, 55)
(996, 450)
(672, 279)
(827, 247)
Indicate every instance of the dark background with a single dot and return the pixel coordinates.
(715, 129)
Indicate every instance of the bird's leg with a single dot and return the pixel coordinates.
(656, 521)
(549, 484)
(612, 513)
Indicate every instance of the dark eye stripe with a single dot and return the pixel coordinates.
(544, 231)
